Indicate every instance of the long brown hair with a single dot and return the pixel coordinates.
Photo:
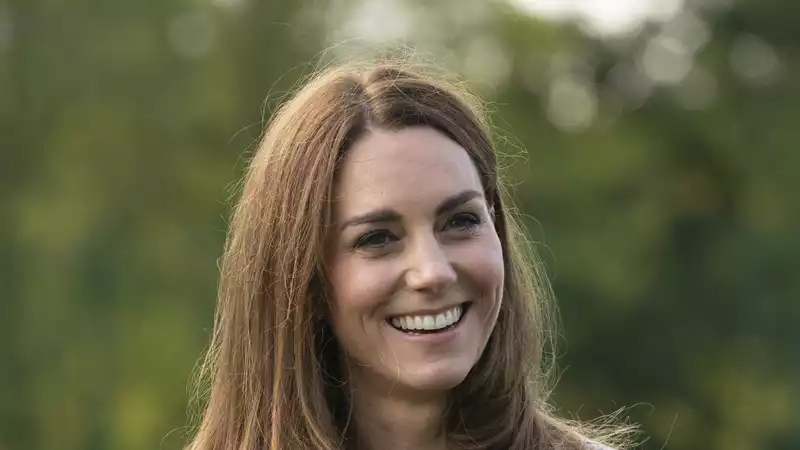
(270, 378)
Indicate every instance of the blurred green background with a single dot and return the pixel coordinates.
(658, 174)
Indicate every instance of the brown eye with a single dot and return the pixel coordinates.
(374, 239)
(464, 222)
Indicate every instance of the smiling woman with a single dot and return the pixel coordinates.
(374, 294)
(428, 253)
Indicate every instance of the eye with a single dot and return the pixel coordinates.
(374, 239)
(464, 222)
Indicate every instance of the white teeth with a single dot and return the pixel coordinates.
(428, 322)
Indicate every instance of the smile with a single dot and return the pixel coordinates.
(429, 323)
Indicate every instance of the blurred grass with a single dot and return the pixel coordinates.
(670, 233)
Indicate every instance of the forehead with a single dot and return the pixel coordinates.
(411, 166)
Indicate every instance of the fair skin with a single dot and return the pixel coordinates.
(416, 270)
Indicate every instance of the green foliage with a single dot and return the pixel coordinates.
(671, 233)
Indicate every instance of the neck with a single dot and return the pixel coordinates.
(389, 419)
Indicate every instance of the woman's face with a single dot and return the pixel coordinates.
(416, 266)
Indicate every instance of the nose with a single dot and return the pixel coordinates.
(429, 268)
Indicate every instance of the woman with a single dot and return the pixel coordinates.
(374, 293)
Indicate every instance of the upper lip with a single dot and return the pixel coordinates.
(427, 312)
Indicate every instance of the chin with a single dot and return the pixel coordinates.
(436, 377)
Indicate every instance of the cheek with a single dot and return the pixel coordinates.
(486, 268)
(359, 288)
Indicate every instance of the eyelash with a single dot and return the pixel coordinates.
(365, 240)
(473, 220)
(368, 240)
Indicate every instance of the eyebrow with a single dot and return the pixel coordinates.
(388, 215)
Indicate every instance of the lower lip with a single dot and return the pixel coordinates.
(441, 337)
